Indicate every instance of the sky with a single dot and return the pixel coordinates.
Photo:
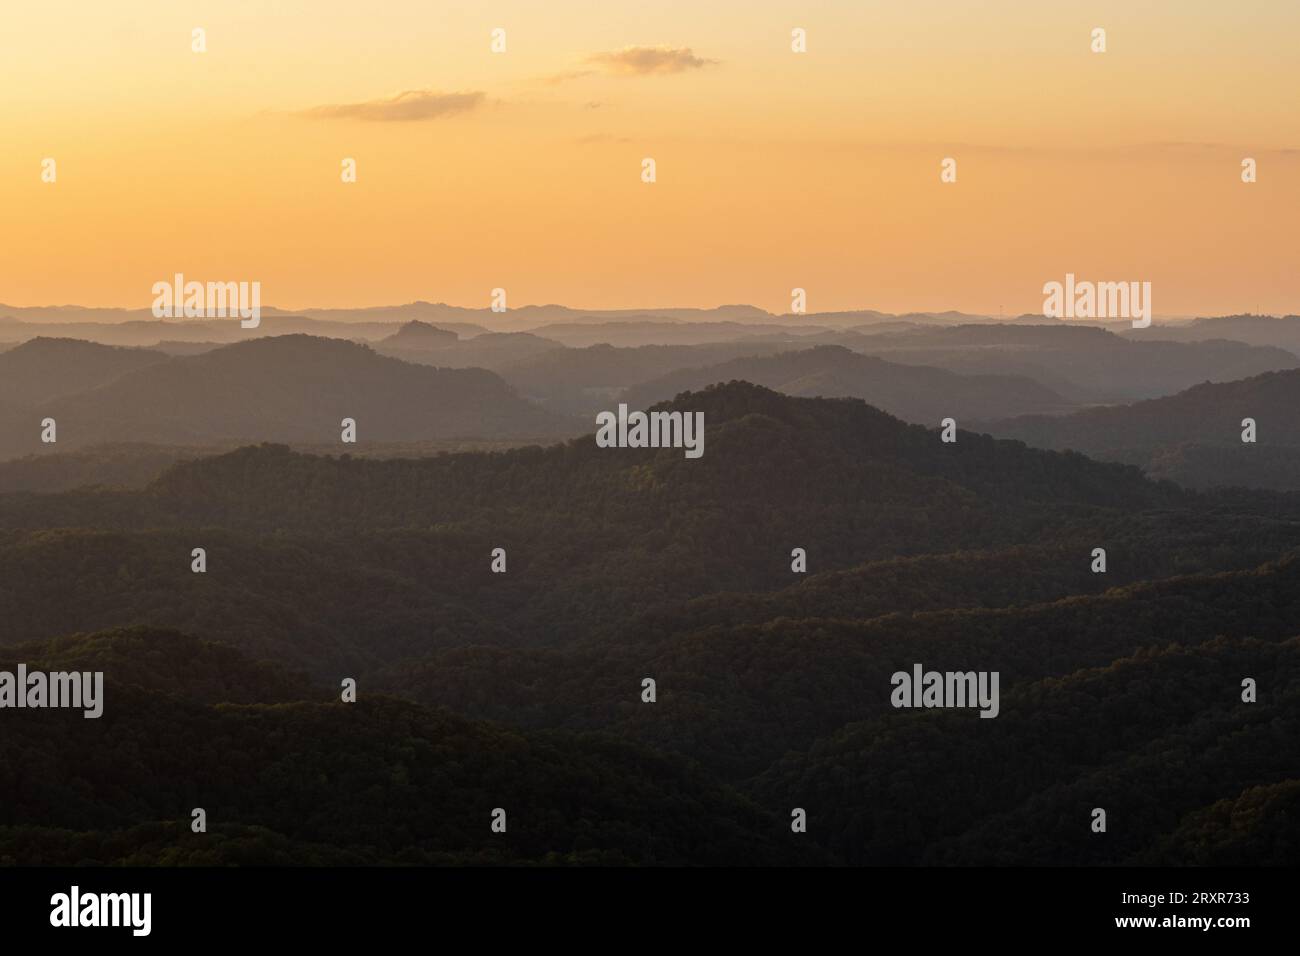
(775, 170)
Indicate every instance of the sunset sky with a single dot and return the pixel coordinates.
(775, 169)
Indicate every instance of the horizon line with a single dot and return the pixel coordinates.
(631, 310)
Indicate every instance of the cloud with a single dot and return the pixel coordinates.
(556, 78)
(411, 106)
(649, 60)
(634, 61)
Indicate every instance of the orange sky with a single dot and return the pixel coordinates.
(775, 169)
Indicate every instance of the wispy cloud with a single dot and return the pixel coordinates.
(650, 60)
(556, 78)
(634, 61)
(411, 106)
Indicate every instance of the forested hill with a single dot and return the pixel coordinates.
(288, 388)
(521, 686)
(327, 562)
(763, 450)
(289, 777)
(43, 369)
(914, 393)
(1193, 437)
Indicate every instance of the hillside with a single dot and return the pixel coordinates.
(297, 781)
(1193, 437)
(587, 380)
(523, 689)
(292, 388)
(491, 350)
(913, 393)
(419, 335)
(1150, 738)
(1280, 332)
(329, 563)
(1086, 365)
(738, 697)
(43, 369)
(127, 465)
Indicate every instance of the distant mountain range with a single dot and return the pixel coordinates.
(913, 393)
(1193, 437)
(519, 318)
(1067, 365)
(1281, 332)
(44, 369)
(141, 329)
(424, 386)
(288, 388)
(427, 344)
(1086, 365)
